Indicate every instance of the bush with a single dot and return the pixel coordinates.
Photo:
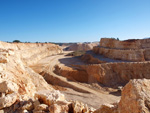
(76, 53)
(16, 41)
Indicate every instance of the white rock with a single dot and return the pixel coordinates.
(8, 87)
(8, 100)
(49, 96)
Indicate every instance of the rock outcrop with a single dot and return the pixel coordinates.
(126, 44)
(82, 46)
(117, 73)
(134, 99)
(129, 50)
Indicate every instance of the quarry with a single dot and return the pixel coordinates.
(111, 76)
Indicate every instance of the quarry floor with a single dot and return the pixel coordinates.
(93, 94)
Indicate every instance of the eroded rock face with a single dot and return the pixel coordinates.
(129, 50)
(106, 108)
(126, 44)
(8, 87)
(135, 97)
(8, 100)
(117, 73)
(118, 54)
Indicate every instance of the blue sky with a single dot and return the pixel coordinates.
(73, 20)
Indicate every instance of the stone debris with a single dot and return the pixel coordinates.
(48, 97)
(107, 108)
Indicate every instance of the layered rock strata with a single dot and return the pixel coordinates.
(116, 73)
(129, 50)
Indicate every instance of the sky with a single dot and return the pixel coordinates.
(73, 20)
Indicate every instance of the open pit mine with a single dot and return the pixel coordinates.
(112, 77)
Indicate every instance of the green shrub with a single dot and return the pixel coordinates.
(16, 41)
(76, 53)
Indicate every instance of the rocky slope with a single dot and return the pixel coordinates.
(21, 89)
(82, 46)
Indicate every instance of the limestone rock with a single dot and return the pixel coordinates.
(41, 107)
(59, 107)
(128, 50)
(107, 108)
(117, 73)
(8, 100)
(47, 97)
(79, 107)
(135, 97)
(3, 59)
(8, 87)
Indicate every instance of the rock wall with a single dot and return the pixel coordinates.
(117, 73)
(129, 50)
(127, 55)
(126, 44)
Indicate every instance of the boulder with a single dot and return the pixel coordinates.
(41, 107)
(8, 100)
(47, 97)
(107, 108)
(135, 97)
(8, 87)
(59, 107)
(79, 107)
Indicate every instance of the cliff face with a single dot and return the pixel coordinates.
(129, 50)
(127, 44)
(127, 55)
(117, 73)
